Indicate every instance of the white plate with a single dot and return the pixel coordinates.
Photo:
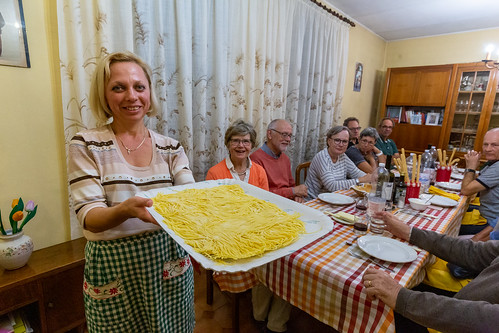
(316, 225)
(336, 199)
(449, 186)
(459, 176)
(439, 200)
(387, 249)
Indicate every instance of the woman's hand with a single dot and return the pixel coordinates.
(367, 178)
(136, 207)
(380, 285)
(394, 225)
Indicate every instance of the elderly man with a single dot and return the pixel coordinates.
(387, 146)
(353, 126)
(276, 164)
(475, 308)
(487, 183)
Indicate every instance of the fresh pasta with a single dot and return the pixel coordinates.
(223, 222)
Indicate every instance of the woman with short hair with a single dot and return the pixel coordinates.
(364, 154)
(330, 169)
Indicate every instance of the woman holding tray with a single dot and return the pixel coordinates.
(137, 279)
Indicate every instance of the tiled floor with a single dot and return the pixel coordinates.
(217, 318)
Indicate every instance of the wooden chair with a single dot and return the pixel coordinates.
(298, 174)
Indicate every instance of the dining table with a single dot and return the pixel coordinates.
(325, 280)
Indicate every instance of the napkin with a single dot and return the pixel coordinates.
(437, 191)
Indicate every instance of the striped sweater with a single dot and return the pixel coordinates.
(99, 176)
(326, 176)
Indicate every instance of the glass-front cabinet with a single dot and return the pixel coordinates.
(474, 108)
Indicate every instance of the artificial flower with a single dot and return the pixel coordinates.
(17, 215)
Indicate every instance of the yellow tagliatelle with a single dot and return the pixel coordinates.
(225, 223)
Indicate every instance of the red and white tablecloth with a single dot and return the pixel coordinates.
(324, 280)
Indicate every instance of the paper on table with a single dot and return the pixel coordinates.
(316, 224)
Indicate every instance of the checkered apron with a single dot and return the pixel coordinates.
(141, 283)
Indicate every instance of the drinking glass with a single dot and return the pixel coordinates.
(376, 204)
(360, 226)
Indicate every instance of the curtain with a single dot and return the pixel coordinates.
(213, 61)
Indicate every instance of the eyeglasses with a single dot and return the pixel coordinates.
(340, 142)
(282, 134)
(355, 128)
(237, 142)
(387, 127)
(367, 142)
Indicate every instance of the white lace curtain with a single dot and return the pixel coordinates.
(214, 61)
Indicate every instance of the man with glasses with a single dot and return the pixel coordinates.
(353, 126)
(365, 155)
(277, 164)
(387, 146)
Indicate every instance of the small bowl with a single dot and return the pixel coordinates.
(418, 204)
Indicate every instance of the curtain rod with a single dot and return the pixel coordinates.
(334, 13)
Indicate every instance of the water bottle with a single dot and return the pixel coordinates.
(426, 171)
(434, 155)
(409, 165)
(382, 177)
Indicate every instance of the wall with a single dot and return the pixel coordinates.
(33, 163)
(439, 50)
(368, 49)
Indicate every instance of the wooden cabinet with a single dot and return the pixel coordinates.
(474, 108)
(48, 288)
(418, 86)
(421, 90)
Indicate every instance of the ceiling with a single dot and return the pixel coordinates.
(403, 19)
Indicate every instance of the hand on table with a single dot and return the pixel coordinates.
(394, 225)
(300, 190)
(380, 285)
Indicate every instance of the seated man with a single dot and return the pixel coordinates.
(387, 146)
(365, 155)
(475, 308)
(276, 164)
(353, 126)
(487, 183)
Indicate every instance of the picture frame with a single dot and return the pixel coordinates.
(13, 39)
(432, 118)
(394, 112)
(357, 80)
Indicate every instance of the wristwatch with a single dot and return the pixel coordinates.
(469, 170)
(357, 181)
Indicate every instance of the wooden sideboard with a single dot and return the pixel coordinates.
(48, 289)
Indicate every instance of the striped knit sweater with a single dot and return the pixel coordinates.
(326, 176)
(99, 176)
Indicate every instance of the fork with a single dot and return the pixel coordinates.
(371, 261)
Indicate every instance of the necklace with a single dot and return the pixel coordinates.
(129, 150)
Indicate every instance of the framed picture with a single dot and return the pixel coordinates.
(357, 80)
(394, 113)
(432, 118)
(13, 41)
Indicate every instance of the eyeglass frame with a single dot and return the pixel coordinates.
(367, 142)
(283, 135)
(237, 142)
(337, 141)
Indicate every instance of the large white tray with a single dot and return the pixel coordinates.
(316, 224)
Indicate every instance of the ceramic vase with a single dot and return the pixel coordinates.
(15, 250)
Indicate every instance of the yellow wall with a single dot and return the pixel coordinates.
(368, 49)
(33, 163)
(31, 132)
(439, 50)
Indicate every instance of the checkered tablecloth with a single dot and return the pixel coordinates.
(323, 280)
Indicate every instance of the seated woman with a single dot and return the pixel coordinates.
(331, 169)
(240, 138)
(364, 154)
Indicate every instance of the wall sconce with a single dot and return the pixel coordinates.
(489, 63)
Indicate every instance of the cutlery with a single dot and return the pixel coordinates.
(371, 261)
(351, 241)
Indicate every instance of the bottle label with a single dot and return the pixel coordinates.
(387, 191)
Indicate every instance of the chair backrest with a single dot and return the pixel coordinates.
(298, 174)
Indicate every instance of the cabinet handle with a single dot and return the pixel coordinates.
(50, 305)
